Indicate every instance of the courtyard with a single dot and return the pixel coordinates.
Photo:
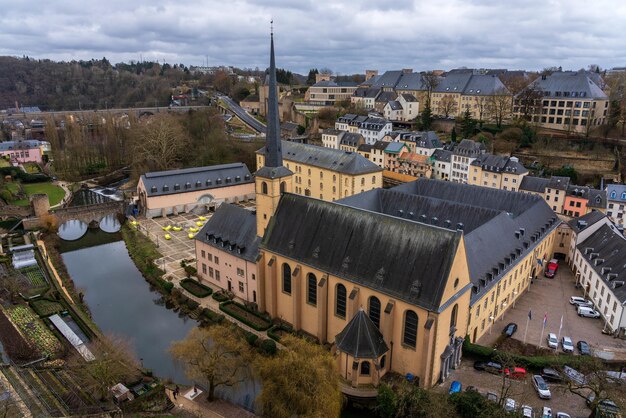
(550, 297)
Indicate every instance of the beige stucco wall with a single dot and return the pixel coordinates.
(185, 201)
(501, 181)
(227, 266)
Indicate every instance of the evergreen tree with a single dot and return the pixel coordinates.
(468, 124)
(427, 117)
(311, 78)
(453, 135)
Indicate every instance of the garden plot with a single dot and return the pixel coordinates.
(33, 329)
(35, 276)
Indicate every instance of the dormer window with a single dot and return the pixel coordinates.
(187, 185)
(209, 182)
(153, 189)
(218, 181)
(198, 184)
(166, 188)
(177, 186)
(613, 195)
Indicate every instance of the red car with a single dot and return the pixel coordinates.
(517, 373)
(551, 268)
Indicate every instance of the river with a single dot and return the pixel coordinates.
(122, 303)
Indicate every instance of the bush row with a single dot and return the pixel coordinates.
(195, 288)
(263, 345)
(225, 307)
(212, 317)
(220, 296)
(24, 177)
(272, 331)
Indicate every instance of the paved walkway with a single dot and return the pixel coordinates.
(44, 252)
(68, 194)
(203, 408)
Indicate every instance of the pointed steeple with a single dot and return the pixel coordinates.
(273, 151)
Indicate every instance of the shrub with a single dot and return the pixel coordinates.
(251, 338)
(192, 304)
(268, 346)
(220, 296)
(211, 316)
(167, 286)
(195, 288)
(252, 319)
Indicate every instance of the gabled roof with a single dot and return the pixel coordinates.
(411, 81)
(499, 164)
(372, 93)
(361, 339)
(394, 105)
(615, 192)
(585, 221)
(388, 79)
(332, 131)
(351, 139)
(468, 147)
(409, 98)
(453, 83)
(414, 158)
(328, 158)
(21, 145)
(395, 147)
(364, 148)
(161, 183)
(232, 229)
(610, 246)
(442, 155)
(363, 247)
(386, 96)
(558, 183)
(380, 145)
(484, 85)
(534, 184)
(597, 198)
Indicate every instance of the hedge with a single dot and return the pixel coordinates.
(220, 296)
(195, 288)
(268, 347)
(224, 306)
(534, 362)
(25, 177)
(211, 316)
(272, 331)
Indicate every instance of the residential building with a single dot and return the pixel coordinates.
(600, 269)
(289, 130)
(171, 192)
(570, 101)
(329, 92)
(226, 250)
(449, 236)
(382, 99)
(422, 143)
(441, 161)
(350, 141)
(462, 156)
(580, 200)
(405, 108)
(497, 172)
(392, 152)
(374, 152)
(372, 128)
(325, 173)
(25, 151)
(553, 190)
(412, 164)
(331, 137)
(616, 201)
(251, 104)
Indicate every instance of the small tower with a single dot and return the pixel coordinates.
(273, 178)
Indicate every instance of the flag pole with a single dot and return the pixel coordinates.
(559, 337)
(527, 321)
(543, 327)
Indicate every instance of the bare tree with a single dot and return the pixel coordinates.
(500, 105)
(529, 101)
(215, 356)
(431, 81)
(483, 105)
(447, 105)
(159, 142)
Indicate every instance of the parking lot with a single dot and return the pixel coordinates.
(522, 391)
(551, 297)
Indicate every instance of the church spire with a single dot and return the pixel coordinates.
(273, 151)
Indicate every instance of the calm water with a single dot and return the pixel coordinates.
(122, 303)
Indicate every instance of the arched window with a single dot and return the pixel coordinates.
(382, 361)
(283, 185)
(373, 179)
(321, 174)
(363, 181)
(455, 311)
(340, 301)
(613, 194)
(264, 188)
(334, 178)
(286, 278)
(311, 296)
(365, 368)
(410, 329)
(374, 310)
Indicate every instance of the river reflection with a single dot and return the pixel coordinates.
(121, 303)
(110, 224)
(72, 230)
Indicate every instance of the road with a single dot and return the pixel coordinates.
(138, 110)
(243, 115)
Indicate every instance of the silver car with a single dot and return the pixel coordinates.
(541, 387)
(578, 301)
(568, 346)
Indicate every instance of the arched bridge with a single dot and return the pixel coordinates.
(89, 214)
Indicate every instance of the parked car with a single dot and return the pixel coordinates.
(455, 387)
(541, 387)
(527, 411)
(510, 405)
(574, 375)
(551, 375)
(552, 341)
(516, 373)
(607, 404)
(578, 301)
(562, 415)
(551, 268)
(568, 346)
(583, 348)
(491, 396)
(588, 312)
(510, 329)
(546, 412)
(490, 366)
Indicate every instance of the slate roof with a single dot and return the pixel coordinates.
(20, 145)
(558, 182)
(351, 139)
(484, 85)
(347, 118)
(235, 228)
(610, 246)
(577, 84)
(360, 92)
(333, 83)
(615, 192)
(363, 247)
(490, 218)
(380, 145)
(372, 93)
(365, 148)
(470, 148)
(499, 164)
(289, 126)
(361, 339)
(373, 124)
(394, 147)
(453, 83)
(595, 198)
(386, 96)
(161, 183)
(332, 131)
(394, 105)
(411, 81)
(442, 155)
(424, 139)
(534, 184)
(331, 159)
(585, 221)
(388, 79)
(409, 98)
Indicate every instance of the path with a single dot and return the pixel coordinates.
(14, 395)
(203, 408)
(68, 194)
(44, 253)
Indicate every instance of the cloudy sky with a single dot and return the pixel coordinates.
(347, 36)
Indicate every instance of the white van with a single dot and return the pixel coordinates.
(588, 312)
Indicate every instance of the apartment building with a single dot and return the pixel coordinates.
(569, 101)
(372, 128)
(462, 156)
(329, 92)
(412, 164)
(497, 172)
(616, 202)
(405, 108)
(441, 161)
(374, 152)
(580, 200)
(346, 141)
(422, 143)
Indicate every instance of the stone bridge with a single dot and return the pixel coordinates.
(10, 211)
(90, 214)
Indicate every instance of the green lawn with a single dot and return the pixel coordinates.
(55, 193)
(4, 163)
